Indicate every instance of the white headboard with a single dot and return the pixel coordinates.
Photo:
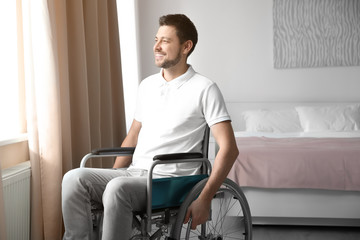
(235, 109)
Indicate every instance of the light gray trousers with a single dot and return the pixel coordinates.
(119, 191)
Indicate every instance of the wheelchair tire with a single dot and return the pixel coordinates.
(230, 216)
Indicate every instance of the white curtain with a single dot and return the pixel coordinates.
(43, 118)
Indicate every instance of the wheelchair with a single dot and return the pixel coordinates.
(169, 198)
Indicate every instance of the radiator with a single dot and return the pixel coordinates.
(16, 193)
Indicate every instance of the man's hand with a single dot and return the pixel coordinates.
(199, 212)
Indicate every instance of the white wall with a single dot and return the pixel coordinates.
(235, 50)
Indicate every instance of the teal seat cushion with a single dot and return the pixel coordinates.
(171, 192)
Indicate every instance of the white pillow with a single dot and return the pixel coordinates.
(330, 118)
(279, 121)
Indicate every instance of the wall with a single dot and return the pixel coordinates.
(235, 50)
(12, 154)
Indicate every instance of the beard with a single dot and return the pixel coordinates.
(170, 63)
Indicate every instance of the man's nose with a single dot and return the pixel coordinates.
(157, 46)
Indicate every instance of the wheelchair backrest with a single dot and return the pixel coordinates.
(205, 144)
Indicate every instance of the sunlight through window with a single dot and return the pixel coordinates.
(9, 81)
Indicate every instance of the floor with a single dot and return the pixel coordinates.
(261, 232)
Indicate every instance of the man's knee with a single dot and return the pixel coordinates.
(73, 180)
(73, 176)
(126, 191)
(117, 187)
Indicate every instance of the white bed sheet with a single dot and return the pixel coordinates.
(329, 134)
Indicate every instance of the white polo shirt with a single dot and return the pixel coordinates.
(174, 116)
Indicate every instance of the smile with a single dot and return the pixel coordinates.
(159, 56)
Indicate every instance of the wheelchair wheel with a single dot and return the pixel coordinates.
(230, 216)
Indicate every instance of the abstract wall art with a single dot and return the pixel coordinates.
(316, 33)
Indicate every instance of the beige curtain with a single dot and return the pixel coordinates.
(2, 212)
(73, 94)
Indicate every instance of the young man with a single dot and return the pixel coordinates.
(173, 109)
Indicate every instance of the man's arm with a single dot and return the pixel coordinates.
(129, 141)
(227, 154)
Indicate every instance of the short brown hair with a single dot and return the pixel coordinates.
(185, 28)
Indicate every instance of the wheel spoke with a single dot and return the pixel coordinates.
(227, 220)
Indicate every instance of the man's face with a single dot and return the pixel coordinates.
(167, 48)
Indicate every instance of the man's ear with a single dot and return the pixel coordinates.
(187, 47)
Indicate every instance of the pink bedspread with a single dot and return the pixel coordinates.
(318, 163)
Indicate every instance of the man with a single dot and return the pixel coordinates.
(173, 109)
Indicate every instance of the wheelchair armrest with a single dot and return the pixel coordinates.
(177, 156)
(107, 152)
(114, 151)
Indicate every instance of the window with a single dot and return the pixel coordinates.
(13, 145)
(12, 96)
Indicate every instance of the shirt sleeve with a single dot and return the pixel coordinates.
(214, 107)
(139, 104)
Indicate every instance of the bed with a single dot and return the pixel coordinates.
(299, 163)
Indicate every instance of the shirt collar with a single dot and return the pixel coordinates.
(179, 81)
